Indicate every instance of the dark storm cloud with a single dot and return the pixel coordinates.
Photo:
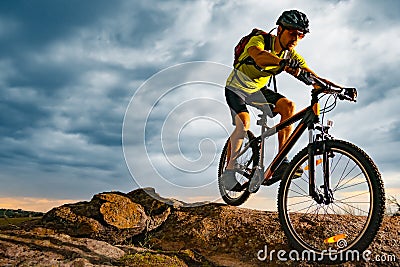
(42, 22)
(375, 15)
(39, 25)
(16, 116)
(394, 130)
(39, 126)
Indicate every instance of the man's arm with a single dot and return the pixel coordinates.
(311, 71)
(263, 58)
(296, 72)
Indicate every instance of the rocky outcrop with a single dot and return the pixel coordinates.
(113, 217)
(143, 229)
(43, 247)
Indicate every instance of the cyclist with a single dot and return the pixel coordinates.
(248, 80)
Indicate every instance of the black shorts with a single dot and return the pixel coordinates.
(237, 100)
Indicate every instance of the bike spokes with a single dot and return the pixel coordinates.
(345, 218)
(244, 167)
(329, 220)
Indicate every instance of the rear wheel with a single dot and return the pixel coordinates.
(245, 166)
(333, 231)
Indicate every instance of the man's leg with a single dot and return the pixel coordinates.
(286, 109)
(242, 122)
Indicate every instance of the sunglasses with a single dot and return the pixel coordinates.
(296, 33)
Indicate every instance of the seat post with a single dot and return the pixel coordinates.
(262, 121)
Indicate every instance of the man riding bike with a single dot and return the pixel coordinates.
(247, 82)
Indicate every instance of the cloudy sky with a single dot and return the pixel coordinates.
(77, 76)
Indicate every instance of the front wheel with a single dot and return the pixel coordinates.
(341, 230)
(245, 166)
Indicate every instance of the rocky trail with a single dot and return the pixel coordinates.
(134, 229)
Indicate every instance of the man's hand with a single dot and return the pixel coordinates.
(305, 77)
(290, 65)
(351, 93)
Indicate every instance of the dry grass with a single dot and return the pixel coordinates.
(16, 221)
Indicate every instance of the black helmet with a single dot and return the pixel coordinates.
(293, 19)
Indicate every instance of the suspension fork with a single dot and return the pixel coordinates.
(311, 165)
(314, 148)
(327, 188)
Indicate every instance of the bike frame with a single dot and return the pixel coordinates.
(309, 117)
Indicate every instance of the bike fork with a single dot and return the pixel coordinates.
(313, 148)
(327, 188)
(311, 166)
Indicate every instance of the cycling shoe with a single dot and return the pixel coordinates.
(228, 180)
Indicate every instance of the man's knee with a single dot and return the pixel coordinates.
(242, 121)
(285, 107)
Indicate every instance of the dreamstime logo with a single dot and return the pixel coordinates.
(331, 254)
(174, 129)
(341, 243)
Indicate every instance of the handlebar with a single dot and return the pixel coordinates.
(326, 87)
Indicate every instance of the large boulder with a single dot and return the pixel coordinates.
(110, 216)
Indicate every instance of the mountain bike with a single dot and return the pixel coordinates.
(337, 204)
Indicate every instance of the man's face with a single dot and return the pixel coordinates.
(290, 37)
